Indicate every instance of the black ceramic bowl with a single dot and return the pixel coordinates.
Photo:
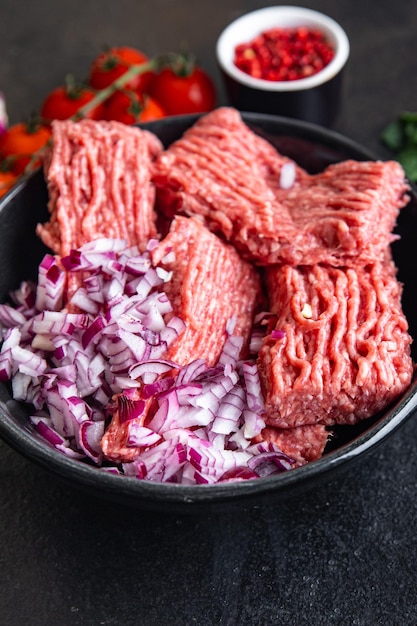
(315, 98)
(21, 251)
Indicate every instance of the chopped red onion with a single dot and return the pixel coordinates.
(193, 424)
(12, 339)
(129, 409)
(142, 437)
(269, 463)
(42, 426)
(24, 387)
(51, 285)
(231, 350)
(150, 370)
(238, 473)
(191, 371)
(28, 362)
(253, 387)
(89, 439)
(9, 316)
(229, 412)
(81, 300)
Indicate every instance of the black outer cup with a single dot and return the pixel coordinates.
(318, 105)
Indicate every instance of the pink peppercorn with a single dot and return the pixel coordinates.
(281, 54)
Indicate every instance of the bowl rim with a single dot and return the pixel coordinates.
(259, 20)
(148, 494)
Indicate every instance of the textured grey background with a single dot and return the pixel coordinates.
(344, 553)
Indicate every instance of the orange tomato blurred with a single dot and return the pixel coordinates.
(7, 180)
(20, 141)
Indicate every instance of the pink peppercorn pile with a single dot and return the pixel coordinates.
(281, 54)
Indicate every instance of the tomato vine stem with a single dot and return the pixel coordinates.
(101, 96)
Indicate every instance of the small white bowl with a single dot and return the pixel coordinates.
(315, 98)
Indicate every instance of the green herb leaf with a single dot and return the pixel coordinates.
(393, 135)
(408, 159)
(400, 136)
(408, 116)
(410, 133)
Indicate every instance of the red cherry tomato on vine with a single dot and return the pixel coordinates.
(130, 108)
(64, 102)
(7, 180)
(113, 63)
(20, 141)
(179, 94)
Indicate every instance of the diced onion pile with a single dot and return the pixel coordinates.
(76, 369)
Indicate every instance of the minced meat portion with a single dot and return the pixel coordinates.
(210, 287)
(340, 350)
(303, 444)
(99, 183)
(228, 176)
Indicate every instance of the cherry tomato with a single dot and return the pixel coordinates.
(21, 141)
(130, 108)
(112, 64)
(65, 101)
(7, 180)
(190, 93)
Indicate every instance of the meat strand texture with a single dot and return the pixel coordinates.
(226, 174)
(344, 350)
(210, 286)
(303, 444)
(98, 178)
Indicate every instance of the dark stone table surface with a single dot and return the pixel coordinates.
(345, 553)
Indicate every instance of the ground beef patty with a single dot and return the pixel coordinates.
(340, 350)
(232, 178)
(210, 286)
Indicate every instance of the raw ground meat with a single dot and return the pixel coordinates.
(221, 171)
(230, 177)
(342, 216)
(98, 177)
(303, 444)
(343, 353)
(210, 285)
